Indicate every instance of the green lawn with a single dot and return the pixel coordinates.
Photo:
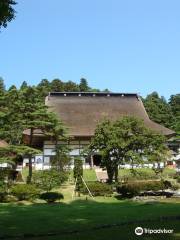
(104, 218)
(88, 175)
(90, 219)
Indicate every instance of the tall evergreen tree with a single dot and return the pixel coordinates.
(57, 85)
(44, 87)
(13, 118)
(2, 86)
(35, 116)
(71, 87)
(24, 85)
(158, 109)
(83, 86)
(174, 103)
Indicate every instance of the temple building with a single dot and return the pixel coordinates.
(81, 112)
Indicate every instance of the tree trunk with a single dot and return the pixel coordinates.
(110, 174)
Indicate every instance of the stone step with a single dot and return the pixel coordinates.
(101, 176)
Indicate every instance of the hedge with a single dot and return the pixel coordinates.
(98, 189)
(131, 189)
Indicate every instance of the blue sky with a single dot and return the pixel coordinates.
(122, 45)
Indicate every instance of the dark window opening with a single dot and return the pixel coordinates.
(97, 160)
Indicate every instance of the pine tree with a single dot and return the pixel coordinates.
(83, 86)
(35, 116)
(57, 85)
(158, 109)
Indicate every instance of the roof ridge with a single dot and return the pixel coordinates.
(122, 94)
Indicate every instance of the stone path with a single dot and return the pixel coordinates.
(101, 175)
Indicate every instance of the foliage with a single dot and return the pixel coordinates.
(174, 102)
(24, 191)
(3, 188)
(51, 197)
(6, 181)
(3, 196)
(168, 172)
(57, 85)
(126, 140)
(61, 160)
(163, 112)
(158, 109)
(134, 188)
(98, 189)
(48, 179)
(78, 173)
(12, 153)
(171, 184)
(24, 108)
(7, 13)
(36, 116)
(137, 174)
(83, 86)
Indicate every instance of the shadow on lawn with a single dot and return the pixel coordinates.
(81, 217)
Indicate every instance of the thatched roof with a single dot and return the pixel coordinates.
(81, 112)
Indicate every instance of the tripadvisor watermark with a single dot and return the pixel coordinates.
(139, 231)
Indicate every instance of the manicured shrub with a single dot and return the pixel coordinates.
(126, 175)
(145, 173)
(169, 172)
(3, 196)
(172, 184)
(135, 188)
(177, 177)
(98, 189)
(46, 180)
(167, 184)
(51, 197)
(128, 190)
(24, 191)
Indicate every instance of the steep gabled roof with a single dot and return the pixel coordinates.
(81, 112)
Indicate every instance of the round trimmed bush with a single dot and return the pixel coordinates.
(24, 191)
(51, 197)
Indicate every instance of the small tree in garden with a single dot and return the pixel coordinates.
(125, 140)
(62, 159)
(46, 180)
(78, 173)
(158, 157)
